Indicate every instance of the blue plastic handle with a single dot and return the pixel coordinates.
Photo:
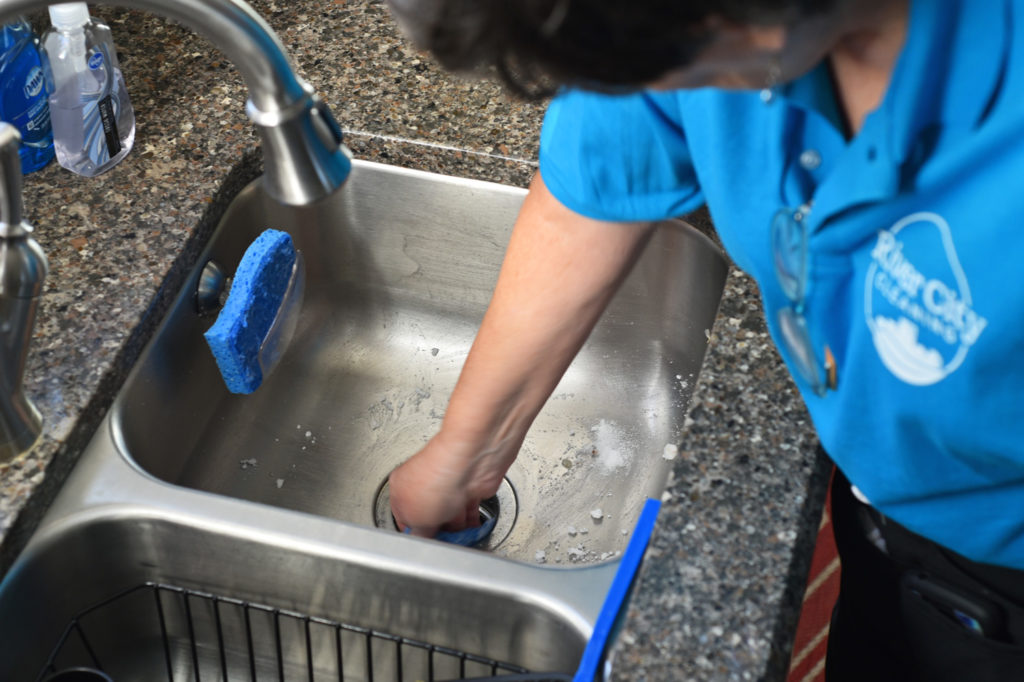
(613, 610)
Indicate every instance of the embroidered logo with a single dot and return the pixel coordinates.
(917, 305)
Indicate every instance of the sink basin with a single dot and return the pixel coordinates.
(275, 593)
(271, 507)
(400, 267)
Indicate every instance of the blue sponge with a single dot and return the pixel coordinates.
(259, 287)
(468, 537)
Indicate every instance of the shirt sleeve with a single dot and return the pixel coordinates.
(618, 157)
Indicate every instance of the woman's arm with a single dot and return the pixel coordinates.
(560, 271)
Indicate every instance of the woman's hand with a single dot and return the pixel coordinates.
(442, 485)
(559, 272)
(427, 493)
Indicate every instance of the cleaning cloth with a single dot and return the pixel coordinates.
(468, 537)
(259, 287)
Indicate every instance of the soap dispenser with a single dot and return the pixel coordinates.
(22, 95)
(23, 269)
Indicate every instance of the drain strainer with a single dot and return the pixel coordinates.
(503, 506)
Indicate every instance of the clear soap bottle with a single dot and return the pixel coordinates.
(92, 117)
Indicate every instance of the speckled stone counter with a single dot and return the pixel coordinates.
(724, 578)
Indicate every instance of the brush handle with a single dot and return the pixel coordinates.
(614, 609)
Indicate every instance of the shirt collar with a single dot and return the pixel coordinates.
(948, 72)
(946, 76)
(814, 91)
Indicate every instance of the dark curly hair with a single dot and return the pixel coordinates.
(539, 45)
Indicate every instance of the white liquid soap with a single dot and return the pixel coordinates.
(93, 120)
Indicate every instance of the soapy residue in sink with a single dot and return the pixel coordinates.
(575, 554)
(579, 490)
(389, 409)
(612, 446)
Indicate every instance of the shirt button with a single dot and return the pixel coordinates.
(767, 95)
(810, 159)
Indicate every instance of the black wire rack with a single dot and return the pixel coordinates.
(156, 631)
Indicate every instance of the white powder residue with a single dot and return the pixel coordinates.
(280, 482)
(613, 449)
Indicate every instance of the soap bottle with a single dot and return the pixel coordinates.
(93, 121)
(22, 94)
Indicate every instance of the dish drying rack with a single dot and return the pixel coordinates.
(204, 636)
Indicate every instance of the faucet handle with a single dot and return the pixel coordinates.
(11, 207)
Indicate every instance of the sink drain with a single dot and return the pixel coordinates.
(502, 506)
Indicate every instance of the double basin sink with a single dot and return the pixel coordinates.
(266, 515)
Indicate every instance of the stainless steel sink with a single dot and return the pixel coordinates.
(309, 570)
(271, 498)
(400, 267)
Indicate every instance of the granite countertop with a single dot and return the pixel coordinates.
(724, 577)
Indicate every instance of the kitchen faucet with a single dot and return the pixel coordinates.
(22, 271)
(304, 160)
(303, 157)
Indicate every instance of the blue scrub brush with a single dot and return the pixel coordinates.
(613, 611)
(259, 317)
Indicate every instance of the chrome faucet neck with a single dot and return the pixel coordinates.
(232, 26)
(304, 161)
(11, 207)
(303, 155)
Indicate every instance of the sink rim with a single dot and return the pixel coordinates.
(108, 483)
(194, 448)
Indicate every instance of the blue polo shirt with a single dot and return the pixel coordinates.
(916, 235)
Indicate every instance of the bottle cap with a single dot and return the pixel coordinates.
(69, 15)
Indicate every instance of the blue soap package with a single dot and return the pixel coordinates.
(23, 94)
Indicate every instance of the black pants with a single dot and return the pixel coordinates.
(914, 611)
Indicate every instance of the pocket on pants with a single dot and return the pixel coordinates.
(956, 634)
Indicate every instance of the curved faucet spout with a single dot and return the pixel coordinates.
(304, 161)
(232, 26)
(303, 155)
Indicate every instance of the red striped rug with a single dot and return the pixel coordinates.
(808, 660)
